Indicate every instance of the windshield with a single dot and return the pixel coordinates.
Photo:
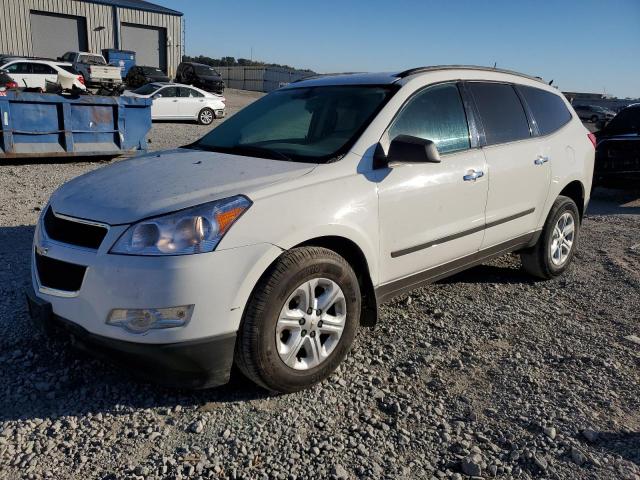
(147, 89)
(206, 71)
(627, 121)
(312, 124)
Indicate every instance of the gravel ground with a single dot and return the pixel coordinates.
(487, 374)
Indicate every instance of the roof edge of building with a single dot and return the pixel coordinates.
(138, 5)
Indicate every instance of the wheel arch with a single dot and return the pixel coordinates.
(575, 191)
(354, 255)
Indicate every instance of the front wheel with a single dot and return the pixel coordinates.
(557, 244)
(206, 116)
(300, 321)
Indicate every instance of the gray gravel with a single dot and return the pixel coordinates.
(488, 374)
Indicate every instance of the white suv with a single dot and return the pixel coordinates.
(274, 237)
(35, 73)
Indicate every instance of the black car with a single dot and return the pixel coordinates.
(201, 76)
(140, 75)
(618, 150)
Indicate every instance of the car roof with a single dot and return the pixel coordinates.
(388, 78)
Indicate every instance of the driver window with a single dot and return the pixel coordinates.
(169, 92)
(435, 114)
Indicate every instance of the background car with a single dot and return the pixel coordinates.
(173, 101)
(140, 75)
(35, 73)
(618, 150)
(201, 76)
(6, 82)
(594, 113)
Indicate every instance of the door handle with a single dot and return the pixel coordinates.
(473, 175)
(542, 159)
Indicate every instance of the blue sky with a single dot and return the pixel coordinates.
(584, 45)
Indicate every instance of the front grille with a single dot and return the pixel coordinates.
(73, 233)
(59, 275)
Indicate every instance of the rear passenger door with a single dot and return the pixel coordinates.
(191, 102)
(44, 73)
(518, 163)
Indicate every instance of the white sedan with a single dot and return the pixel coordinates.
(174, 101)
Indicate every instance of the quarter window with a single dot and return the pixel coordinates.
(501, 112)
(435, 114)
(549, 110)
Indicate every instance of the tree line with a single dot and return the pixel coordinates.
(237, 62)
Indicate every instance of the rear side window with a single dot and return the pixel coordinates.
(435, 114)
(42, 69)
(501, 112)
(549, 110)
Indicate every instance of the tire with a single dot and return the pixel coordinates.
(541, 260)
(206, 116)
(261, 348)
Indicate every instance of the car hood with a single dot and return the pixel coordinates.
(159, 183)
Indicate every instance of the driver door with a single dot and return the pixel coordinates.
(432, 213)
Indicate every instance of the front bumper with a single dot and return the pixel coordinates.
(201, 363)
(218, 284)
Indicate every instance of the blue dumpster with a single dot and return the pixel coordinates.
(125, 59)
(53, 125)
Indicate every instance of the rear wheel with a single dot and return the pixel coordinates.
(206, 116)
(557, 244)
(300, 321)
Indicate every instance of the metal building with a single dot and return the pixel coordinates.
(49, 28)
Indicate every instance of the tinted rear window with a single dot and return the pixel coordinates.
(549, 110)
(501, 112)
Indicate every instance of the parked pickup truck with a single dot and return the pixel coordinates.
(93, 67)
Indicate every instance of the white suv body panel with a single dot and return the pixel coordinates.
(379, 211)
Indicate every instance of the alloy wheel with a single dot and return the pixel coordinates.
(311, 323)
(562, 239)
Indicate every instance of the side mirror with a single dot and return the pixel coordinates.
(407, 149)
(157, 95)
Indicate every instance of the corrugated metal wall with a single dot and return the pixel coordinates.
(259, 79)
(15, 26)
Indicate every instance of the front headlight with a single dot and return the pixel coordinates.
(193, 230)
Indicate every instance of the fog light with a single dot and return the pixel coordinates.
(142, 320)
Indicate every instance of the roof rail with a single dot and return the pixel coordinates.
(413, 71)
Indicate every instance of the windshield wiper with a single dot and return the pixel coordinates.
(248, 149)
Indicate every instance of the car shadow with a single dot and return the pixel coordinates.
(624, 444)
(608, 201)
(47, 378)
(491, 274)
